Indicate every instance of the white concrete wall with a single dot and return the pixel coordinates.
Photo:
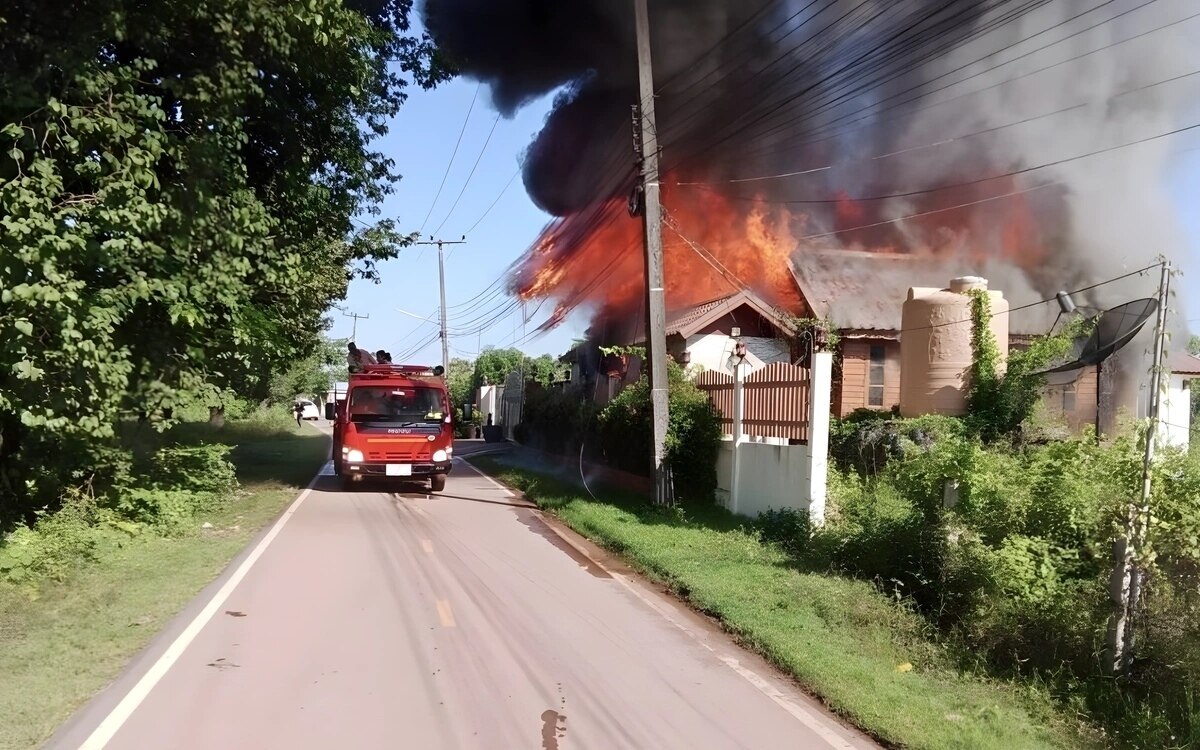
(1175, 416)
(771, 477)
(490, 399)
(756, 474)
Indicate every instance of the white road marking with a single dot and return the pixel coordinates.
(109, 726)
(427, 545)
(507, 492)
(445, 614)
(806, 716)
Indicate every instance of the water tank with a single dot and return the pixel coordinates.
(935, 346)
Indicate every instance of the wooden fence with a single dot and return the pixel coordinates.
(776, 400)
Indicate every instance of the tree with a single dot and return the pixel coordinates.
(544, 369)
(459, 380)
(179, 186)
(313, 374)
(495, 365)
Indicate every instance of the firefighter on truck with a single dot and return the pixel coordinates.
(393, 424)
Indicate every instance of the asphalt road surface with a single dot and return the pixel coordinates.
(375, 619)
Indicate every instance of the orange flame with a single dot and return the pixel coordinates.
(716, 245)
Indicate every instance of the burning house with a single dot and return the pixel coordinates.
(819, 181)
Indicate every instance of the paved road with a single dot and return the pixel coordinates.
(380, 620)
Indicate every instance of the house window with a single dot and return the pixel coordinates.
(875, 382)
(1068, 399)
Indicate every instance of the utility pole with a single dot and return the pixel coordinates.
(1126, 582)
(656, 338)
(442, 282)
(357, 317)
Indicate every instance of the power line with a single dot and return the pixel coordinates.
(945, 141)
(969, 183)
(497, 200)
(869, 116)
(453, 154)
(996, 67)
(469, 175)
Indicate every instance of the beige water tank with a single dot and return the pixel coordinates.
(935, 346)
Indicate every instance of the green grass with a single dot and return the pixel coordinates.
(61, 645)
(868, 658)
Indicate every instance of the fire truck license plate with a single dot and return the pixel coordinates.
(398, 470)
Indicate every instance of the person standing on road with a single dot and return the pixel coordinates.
(299, 410)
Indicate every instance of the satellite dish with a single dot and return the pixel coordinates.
(1113, 329)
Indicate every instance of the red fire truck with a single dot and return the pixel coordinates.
(394, 423)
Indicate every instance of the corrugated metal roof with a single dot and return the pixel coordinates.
(1182, 363)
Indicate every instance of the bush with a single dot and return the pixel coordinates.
(203, 469)
(50, 547)
(693, 435)
(557, 421)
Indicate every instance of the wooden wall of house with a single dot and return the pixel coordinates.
(854, 380)
(1057, 400)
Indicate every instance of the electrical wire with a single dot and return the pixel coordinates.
(990, 55)
(822, 138)
(493, 204)
(471, 174)
(943, 142)
(969, 183)
(453, 154)
(865, 55)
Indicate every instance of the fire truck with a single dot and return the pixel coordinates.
(394, 424)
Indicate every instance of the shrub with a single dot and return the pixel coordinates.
(202, 469)
(50, 547)
(1016, 572)
(693, 435)
(557, 420)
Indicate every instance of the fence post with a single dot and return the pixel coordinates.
(739, 433)
(819, 400)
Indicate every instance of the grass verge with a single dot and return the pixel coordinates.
(867, 657)
(62, 644)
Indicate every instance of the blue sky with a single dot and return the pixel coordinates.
(421, 142)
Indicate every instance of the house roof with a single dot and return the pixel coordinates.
(865, 291)
(1182, 363)
(690, 320)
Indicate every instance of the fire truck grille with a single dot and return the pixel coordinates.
(398, 456)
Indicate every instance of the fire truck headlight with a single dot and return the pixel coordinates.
(439, 456)
(354, 456)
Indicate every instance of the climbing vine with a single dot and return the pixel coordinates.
(998, 403)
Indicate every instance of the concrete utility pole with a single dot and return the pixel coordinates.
(1126, 582)
(442, 282)
(354, 329)
(656, 338)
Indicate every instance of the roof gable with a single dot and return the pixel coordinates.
(688, 321)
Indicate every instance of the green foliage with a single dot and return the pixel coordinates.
(559, 421)
(999, 403)
(178, 187)
(52, 546)
(693, 434)
(493, 366)
(312, 374)
(459, 381)
(1015, 572)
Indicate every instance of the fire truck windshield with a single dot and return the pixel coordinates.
(396, 404)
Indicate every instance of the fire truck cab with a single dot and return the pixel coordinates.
(394, 424)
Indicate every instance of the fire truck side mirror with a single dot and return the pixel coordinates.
(331, 410)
